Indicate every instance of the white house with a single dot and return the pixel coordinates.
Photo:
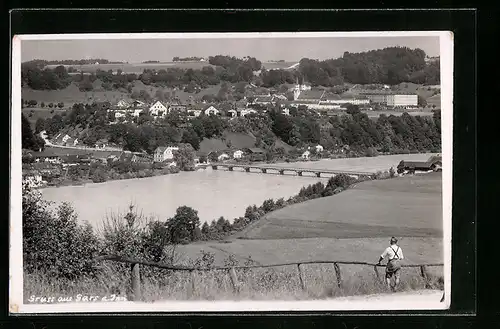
(319, 148)
(119, 115)
(238, 154)
(222, 157)
(232, 113)
(136, 112)
(245, 112)
(194, 113)
(158, 108)
(305, 155)
(164, 153)
(211, 110)
(123, 104)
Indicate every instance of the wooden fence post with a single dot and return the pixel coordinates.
(301, 277)
(234, 280)
(376, 272)
(136, 282)
(193, 282)
(338, 275)
(423, 273)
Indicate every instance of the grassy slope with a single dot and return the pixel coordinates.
(407, 206)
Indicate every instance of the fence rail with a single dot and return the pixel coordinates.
(135, 271)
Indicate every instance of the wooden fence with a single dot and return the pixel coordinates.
(136, 284)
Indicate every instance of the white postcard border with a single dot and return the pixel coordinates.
(16, 304)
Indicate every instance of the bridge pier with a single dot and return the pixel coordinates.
(247, 169)
(230, 168)
(264, 170)
(299, 173)
(282, 172)
(318, 174)
(214, 167)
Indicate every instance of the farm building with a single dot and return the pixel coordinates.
(256, 154)
(164, 153)
(433, 163)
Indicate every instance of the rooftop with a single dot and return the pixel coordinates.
(311, 94)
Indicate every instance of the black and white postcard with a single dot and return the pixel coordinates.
(231, 172)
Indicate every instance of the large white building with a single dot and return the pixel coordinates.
(399, 100)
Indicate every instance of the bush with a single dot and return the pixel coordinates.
(56, 244)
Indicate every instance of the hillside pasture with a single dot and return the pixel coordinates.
(35, 113)
(71, 95)
(277, 65)
(409, 206)
(236, 140)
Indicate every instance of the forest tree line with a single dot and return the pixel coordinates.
(391, 66)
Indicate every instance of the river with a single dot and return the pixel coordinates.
(213, 193)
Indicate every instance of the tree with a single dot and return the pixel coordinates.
(60, 105)
(29, 140)
(40, 125)
(421, 101)
(42, 104)
(189, 136)
(184, 157)
(182, 227)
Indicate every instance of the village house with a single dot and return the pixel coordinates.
(223, 156)
(238, 154)
(46, 156)
(211, 110)
(285, 111)
(263, 100)
(164, 153)
(177, 108)
(256, 154)
(193, 113)
(123, 104)
(319, 148)
(232, 113)
(158, 109)
(247, 111)
(305, 155)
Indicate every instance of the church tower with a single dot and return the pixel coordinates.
(296, 91)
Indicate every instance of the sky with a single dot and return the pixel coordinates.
(264, 49)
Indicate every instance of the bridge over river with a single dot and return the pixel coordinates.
(264, 168)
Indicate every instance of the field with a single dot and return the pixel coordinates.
(71, 95)
(277, 65)
(39, 112)
(137, 68)
(407, 206)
